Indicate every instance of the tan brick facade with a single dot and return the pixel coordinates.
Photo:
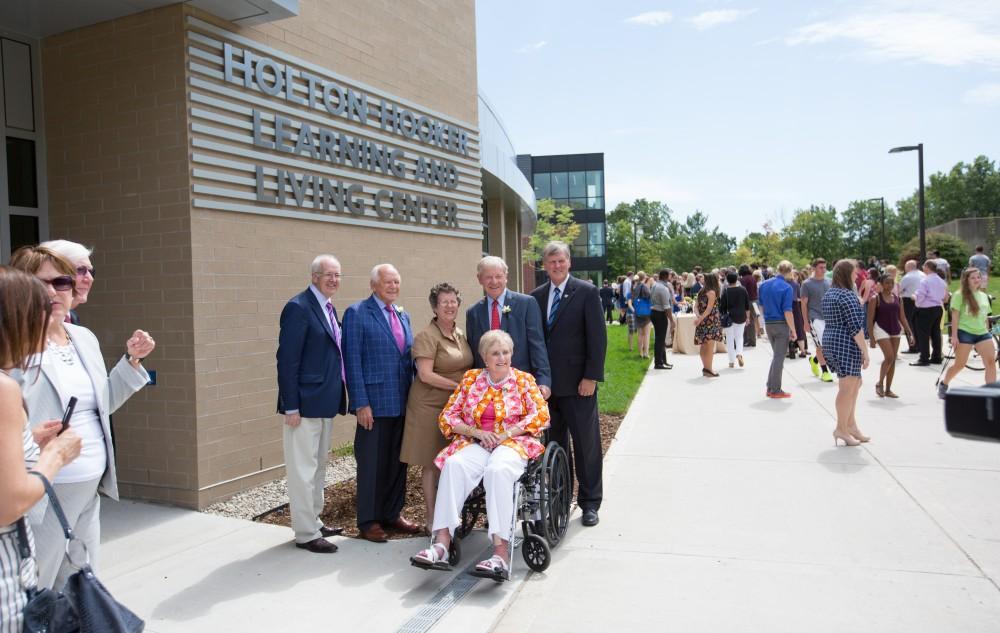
(210, 284)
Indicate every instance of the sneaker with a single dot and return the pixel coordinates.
(826, 377)
(942, 390)
(778, 394)
(814, 366)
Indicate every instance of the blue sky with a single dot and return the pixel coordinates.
(747, 110)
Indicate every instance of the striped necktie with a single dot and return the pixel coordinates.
(556, 296)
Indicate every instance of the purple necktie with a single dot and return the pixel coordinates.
(336, 337)
(397, 328)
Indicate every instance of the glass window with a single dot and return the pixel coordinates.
(577, 184)
(23, 231)
(22, 179)
(595, 203)
(595, 188)
(577, 203)
(596, 276)
(595, 239)
(560, 184)
(542, 188)
(579, 246)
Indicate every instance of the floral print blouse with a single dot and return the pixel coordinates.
(517, 403)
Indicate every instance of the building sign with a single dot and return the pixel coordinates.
(277, 135)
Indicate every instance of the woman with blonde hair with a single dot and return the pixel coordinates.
(642, 305)
(970, 329)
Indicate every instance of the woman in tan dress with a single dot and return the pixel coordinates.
(442, 355)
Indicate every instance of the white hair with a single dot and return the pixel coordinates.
(378, 271)
(555, 247)
(491, 261)
(72, 251)
(317, 264)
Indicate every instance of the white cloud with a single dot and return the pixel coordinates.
(983, 94)
(709, 19)
(530, 48)
(651, 18)
(910, 30)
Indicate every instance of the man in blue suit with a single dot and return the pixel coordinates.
(310, 393)
(377, 340)
(513, 312)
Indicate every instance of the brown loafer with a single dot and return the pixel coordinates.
(318, 546)
(404, 526)
(374, 533)
(331, 531)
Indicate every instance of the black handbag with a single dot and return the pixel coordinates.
(84, 605)
(724, 316)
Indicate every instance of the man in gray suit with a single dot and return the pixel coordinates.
(513, 312)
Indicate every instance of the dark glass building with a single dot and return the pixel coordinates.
(576, 181)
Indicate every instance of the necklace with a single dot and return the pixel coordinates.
(65, 353)
(491, 383)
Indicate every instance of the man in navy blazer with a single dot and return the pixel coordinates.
(513, 312)
(577, 341)
(377, 340)
(310, 393)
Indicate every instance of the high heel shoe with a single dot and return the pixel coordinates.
(856, 434)
(847, 439)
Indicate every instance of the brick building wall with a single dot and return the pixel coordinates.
(209, 284)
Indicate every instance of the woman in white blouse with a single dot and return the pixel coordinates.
(72, 365)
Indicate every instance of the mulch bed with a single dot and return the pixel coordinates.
(340, 509)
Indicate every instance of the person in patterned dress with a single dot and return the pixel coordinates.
(494, 419)
(844, 349)
(708, 324)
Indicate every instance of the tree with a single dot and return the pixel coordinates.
(691, 244)
(635, 231)
(761, 247)
(951, 248)
(862, 229)
(815, 232)
(966, 191)
(554, 223)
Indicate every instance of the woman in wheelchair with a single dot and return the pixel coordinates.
(494, 419)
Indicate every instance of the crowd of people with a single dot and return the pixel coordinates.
(844, 311)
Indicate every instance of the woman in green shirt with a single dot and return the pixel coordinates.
(970, 329)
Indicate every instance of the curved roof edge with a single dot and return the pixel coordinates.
(497, 157)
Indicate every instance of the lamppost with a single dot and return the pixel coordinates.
(635, 247)
(882, 200)
(919, 148)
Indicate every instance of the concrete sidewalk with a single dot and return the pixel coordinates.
(725, 511)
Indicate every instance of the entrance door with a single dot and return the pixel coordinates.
(23, 194)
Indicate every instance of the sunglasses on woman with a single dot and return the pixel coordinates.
(81, 271)
(61, 283)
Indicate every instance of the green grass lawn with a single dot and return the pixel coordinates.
(623, 373)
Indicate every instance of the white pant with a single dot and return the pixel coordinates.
(82, 507)
(307, 451)
(734, 340)
(499, 471)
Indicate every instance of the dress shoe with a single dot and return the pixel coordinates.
(936, 361)
(590, 518)
(331, 531)
(318, 546)
(920, 363)
(374, 533)
(911, 351)
(404, 526)
(667, 366)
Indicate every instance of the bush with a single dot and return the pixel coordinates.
(995, 258)
(951, 248)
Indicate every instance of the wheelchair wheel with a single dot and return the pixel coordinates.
(536, 552)
(556, 491)
(454, 553)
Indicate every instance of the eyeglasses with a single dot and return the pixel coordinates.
(61, 283)
(328, 275)
(81, 271)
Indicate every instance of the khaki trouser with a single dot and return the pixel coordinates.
(307, 451)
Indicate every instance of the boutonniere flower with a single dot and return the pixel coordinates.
(506, 309)
(399, 309)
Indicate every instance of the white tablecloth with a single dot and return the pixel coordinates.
(684, 336)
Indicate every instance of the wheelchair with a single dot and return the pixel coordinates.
(542, 505)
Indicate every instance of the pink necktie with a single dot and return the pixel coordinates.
(397, 328)
(336, 337)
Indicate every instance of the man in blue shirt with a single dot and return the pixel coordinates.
(775, 296)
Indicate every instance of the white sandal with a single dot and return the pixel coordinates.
(432, 558)
(494, 567)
